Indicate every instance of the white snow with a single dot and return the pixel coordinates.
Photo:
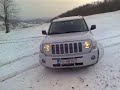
(18, 44)
(20, 68)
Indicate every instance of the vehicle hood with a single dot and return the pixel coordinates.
(68, 37)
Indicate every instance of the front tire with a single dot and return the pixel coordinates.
(97, 58)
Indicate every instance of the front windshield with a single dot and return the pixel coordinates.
(68, 27)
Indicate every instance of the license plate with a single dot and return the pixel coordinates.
(69, 61)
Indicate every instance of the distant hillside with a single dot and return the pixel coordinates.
(35, 21)
(93, 8)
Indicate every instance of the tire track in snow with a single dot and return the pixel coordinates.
(112, 45)
(13, 69)
(23, 38)
(4, 78)
(109, 37)
(19, 41)
(18, 59)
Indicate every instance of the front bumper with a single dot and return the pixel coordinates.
(81, 60)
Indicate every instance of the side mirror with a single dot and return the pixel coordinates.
(44, 32)
(93, 27)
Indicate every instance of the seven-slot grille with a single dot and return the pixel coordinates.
(67, 48)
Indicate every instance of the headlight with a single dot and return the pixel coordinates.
(87, 44)
(46, 48)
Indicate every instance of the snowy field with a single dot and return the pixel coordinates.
(20, 68)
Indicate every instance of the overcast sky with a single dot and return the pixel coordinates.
(46, 8)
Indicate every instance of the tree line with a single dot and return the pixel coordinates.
(93, 8)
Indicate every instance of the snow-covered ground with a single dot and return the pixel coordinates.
(20, 68)
(17, 26)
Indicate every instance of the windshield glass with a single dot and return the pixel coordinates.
(68, 27)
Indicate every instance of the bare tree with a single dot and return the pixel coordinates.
(7, 11)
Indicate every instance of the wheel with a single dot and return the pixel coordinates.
(97, 58)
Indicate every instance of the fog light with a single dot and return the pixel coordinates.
(93, 57)
(43, 61)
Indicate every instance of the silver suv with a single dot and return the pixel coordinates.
(69, 43)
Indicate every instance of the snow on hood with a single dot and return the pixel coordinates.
(68, 37)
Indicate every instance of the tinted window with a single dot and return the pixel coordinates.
(68, 27)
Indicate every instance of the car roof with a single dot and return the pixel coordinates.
(67, 18)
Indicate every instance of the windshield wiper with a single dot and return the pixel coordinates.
(54, 33)
(71, 31)
(64, 32)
